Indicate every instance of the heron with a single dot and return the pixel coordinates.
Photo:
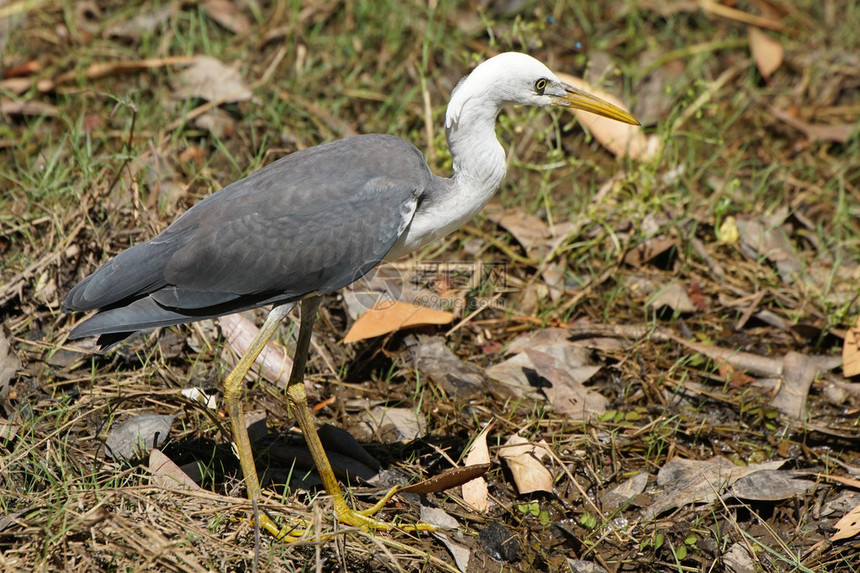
(309, 224)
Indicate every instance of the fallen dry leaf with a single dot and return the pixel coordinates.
(104, 69)
(529, 230)
(648, 251)
(553, 277)
(198, 395)
(450, 478)
(475, 492)
(730, 13)
(762, 238)
(212, 80)
(654, 100)
(166, 474)
(434, 359)
(771, 485)
(22, 70)
(388, 317)
(567, 394)
(618, 496)
(274, 362)
(848, 526)
(395, 424)
(538, 238)
(227, 14)
(16, 86)
(739, 560)
(8, 430)
(146, 22)
(524, 461)
(767, 52)
(851, 351)
(675, 297)
(798, 373)
(621, 139)
(459, 552)
(694, 481)
(9, 365)
(138, 435)
(514, 374)
(438, 517)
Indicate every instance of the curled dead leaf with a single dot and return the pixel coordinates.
(452, 477)
(524, 461)
(388, 317)
(851, 351)
(767, 52)
(475, 492)
(848, 526)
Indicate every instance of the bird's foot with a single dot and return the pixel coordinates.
(344, 515)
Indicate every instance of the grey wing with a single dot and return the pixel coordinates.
(312, 222)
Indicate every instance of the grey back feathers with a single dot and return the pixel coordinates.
(311, 222)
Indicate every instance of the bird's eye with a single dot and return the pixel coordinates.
(540, 85)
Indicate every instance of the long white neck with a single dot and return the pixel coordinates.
(479, 167)
(479, 159)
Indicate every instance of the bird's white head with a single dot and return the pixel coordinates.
(514, 78)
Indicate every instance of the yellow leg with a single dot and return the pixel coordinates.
(298, 399)
(233, 392)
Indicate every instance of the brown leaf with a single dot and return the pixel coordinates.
(730, 13)
(433, 358)
(475, 492)
(848, 526)
(21, 70)
(8, 430)
(620, 138)
(395, 424)
(523, 459)
(675, 297)
(648, 251)
(449, 478)
(459, 552)
(552, 341)
(759, 237)
(104, 69)
(166, 474)
(274, 361)
(9, 365)
(767, 52)
(212, 80)
(798, 373)
(529, 230)
(390, 317)
(567, 394)
(16, 86)
(851, 351)
(694, 481)
(145, 22)
(227, 14)
(735, 378)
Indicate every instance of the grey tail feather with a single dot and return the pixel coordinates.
(113, 325)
